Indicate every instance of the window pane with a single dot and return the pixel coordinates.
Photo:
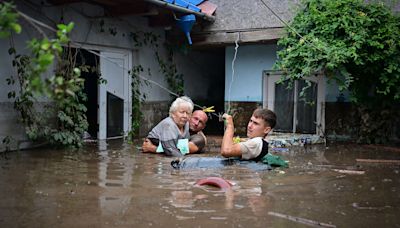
(283, 108)
(115, 115)
(307, 108)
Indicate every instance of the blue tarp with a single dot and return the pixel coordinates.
(189, 4)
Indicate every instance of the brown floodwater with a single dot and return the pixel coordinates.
(115, 185)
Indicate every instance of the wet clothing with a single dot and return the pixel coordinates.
(188, 163)
(254, 149)
(167, 133)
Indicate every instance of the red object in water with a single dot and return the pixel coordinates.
(215, 181)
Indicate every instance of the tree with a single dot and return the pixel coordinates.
(353, 43)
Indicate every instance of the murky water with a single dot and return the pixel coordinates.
(115, 185)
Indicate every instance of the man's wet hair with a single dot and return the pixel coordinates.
(267, 115)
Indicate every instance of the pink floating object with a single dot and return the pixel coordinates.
(215, 181)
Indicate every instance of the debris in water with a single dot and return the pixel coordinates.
(378, 161)
(359, 172)
(301, 220)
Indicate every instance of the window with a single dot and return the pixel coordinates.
(295, 113)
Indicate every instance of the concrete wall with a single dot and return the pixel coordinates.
(251, 61)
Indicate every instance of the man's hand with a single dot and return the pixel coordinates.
(228, 119)
(148, 147)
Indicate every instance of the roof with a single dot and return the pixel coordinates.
(158, 11)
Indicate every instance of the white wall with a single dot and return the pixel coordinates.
(87, 30)
(251, 61)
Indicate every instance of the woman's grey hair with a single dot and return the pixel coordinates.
(184, 100)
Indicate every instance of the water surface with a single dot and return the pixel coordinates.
(115, 185)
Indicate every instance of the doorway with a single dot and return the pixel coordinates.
(114, 95)
(89, 65)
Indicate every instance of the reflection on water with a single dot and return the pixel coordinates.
(113, 184)
(115, 172)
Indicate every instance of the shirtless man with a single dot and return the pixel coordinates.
(197, 141)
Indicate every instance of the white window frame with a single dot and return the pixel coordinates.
(269, 80)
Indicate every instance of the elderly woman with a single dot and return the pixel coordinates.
(172, 129)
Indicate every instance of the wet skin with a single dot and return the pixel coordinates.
(198, 121)
(257, 128)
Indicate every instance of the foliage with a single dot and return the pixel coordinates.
(353, 43)
(375, 125)
(7, 141)
(167, 68)
(68, 96)
(137, 99)
(64, 88)
(170, 71)
(8, 20)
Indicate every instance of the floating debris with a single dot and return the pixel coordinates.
(359, 172)
(381, 161)
(301, 220)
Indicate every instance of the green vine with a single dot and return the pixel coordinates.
(170, 71)
(137, 99)
(354, 43)
(64, 121)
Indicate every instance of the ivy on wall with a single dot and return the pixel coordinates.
(63, 121)
(167, 68)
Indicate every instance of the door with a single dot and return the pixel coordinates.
(114, 95)
(295, 113)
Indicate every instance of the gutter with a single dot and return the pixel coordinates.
(182, 10)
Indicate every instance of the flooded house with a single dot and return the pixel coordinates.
(220, 52)
(222, 57)
(112, 39)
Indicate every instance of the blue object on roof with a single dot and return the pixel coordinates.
(194, 8)
(185, 3)
(186, 23)
(182, 3)
(195, 2)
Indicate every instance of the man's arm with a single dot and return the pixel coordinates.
(193, 148)
(197, 142)
(148, 147)
(228, 148)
